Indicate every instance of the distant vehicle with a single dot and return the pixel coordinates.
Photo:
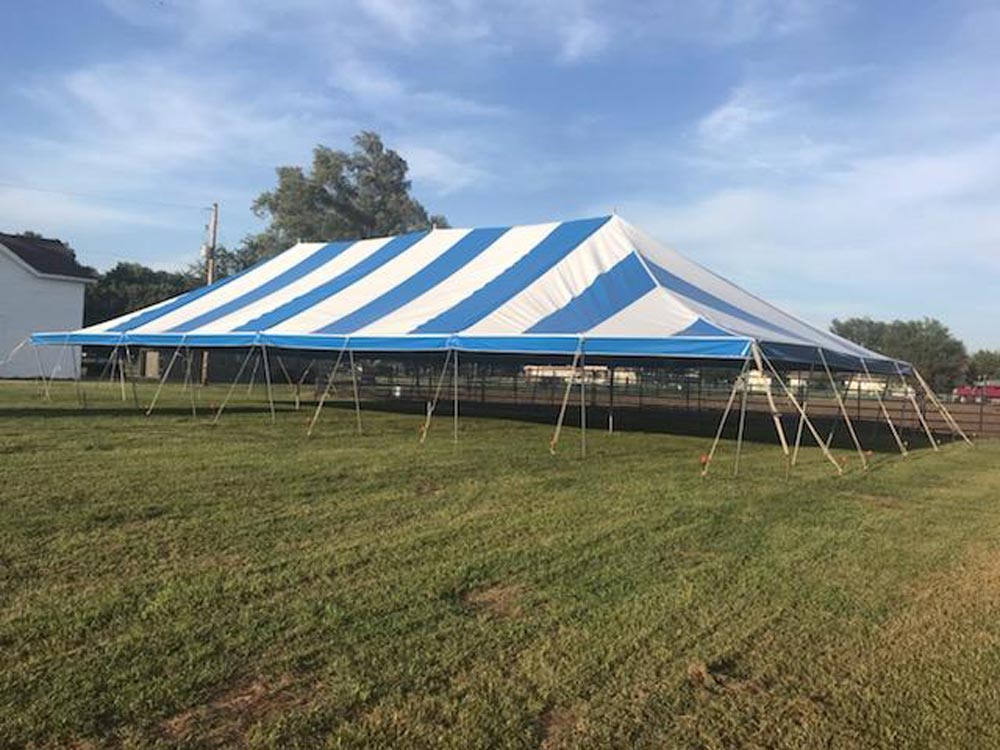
(965, 394)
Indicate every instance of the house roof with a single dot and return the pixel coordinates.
(46, 257)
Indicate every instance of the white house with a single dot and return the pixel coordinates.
(41, 289)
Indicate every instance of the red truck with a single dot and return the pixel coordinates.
(977, 393)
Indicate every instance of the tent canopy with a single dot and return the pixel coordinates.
(595, 286)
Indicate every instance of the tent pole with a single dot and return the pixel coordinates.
(326, 391)
(60, 355)
(802, 413)
(354, 384)
(562, 409)
(291, 384)
(121, 374)
(583, 405)
(132, 378)
(843, 410)
(301, 380)
(232, 388)
(454, 381)
(41, 374)
(916, 408)
(742, 424)
(437, 395)
(253, 375)
(885, 412)
(801, 424)
(948, 418)
(611, 399)
(163, 380)
(775, 414)
(189, 381)
(725, 417)
(267, 381)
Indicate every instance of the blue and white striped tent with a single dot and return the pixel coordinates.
(599, 287)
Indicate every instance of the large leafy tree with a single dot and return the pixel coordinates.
(984, 365)
(928, 344)
(364, 193)
(130, 286)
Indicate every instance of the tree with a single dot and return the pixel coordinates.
(345, 195)
(984, 365)
(131, 286)
(927, 344)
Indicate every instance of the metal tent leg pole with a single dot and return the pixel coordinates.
(291, 383)
(775, 414)
(189, 379)
(232, 388)
(843, 410)
(562, 409)
(948, 418)
(742, 425)
(132, 377)
(41, 374)
(811, 427)
(267, 381)
(163, 380)
(326, 391)
(725, 417)
(583, 406)
(885, 412)
(253, 375)
(455, 395)
(801, 424)
(357, 398)
(916, 408)
(437, 395)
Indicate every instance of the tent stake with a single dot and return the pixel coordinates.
(232, 388)
(562, 409)
(267, 381)
(885, 412)
(916, 408)
(326, 391)
(163, 380)
(843, 410)
(725, 417)
(437, 395)
(948, 418)
(802, 413)
(354, 384)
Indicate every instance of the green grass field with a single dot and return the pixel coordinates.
(166, 583)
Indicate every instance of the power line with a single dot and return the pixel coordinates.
(104, 198)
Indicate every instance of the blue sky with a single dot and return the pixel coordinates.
(837, 158)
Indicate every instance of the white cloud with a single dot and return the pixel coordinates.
(439, 169)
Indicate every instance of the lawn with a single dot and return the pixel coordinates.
(167, 583)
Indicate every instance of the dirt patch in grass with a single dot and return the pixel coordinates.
(558, 726)
(500, 600)
(715, 679)
(227, 718)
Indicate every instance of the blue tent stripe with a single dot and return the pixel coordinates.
(178, 302)
(697, 294)
(383, 255)
(448, 263)
(702, 327)
(611, 292)
(557, 245)
(306, 266)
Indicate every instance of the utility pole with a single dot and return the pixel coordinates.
(213, 236)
